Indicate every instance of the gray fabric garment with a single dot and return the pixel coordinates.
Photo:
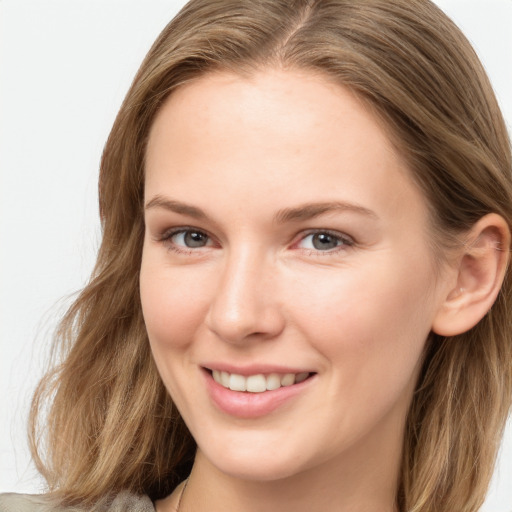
(123, 502)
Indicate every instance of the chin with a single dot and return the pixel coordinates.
(255, 465)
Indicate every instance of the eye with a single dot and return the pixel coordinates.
(324, 241)
(184, 238)
(190, 238)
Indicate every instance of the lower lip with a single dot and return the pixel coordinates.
(244, 404)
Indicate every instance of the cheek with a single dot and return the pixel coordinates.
(371, 333)
(368, 299)
(173, 308)
(173, 305)
(370, 322)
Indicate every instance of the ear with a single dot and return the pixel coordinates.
(480, 269)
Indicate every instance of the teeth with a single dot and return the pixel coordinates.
(237, 382)
(301, 377)
(257, 383)
(224, 379)
(288, 379)
(273, 381)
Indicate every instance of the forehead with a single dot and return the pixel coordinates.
(271, 101)
(225, 135)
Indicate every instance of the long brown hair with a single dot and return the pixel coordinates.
(111, 425)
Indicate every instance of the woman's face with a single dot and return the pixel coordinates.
(284, 241)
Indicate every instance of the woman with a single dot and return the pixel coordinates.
(306, 214)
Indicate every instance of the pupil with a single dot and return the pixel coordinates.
(195, 239)
(323, 241)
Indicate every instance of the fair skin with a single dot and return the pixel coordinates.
(284, 235)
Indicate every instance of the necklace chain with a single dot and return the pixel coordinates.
(178, 506)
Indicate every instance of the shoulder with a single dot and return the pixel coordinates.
(11, 502)
(124, 501)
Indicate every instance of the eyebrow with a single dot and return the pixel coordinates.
(311, 210)
(176, 207)
(296, 214)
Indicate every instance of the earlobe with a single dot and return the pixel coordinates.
(480, 268)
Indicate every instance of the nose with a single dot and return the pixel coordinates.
(245, 305)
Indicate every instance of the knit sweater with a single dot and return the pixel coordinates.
(123, 502)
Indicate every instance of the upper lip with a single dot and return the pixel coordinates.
(254, 369)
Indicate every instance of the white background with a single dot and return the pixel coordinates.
(65, 66)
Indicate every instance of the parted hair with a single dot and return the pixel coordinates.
(101, 419)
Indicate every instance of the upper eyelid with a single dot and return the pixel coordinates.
(339, 234)
(165, 239)
(167, 233)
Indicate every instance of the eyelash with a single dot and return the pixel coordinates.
(345, 242)
(166, 239)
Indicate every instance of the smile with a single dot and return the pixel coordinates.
(257, 383)
(256, 393)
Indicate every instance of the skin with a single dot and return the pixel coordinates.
(259, 292)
